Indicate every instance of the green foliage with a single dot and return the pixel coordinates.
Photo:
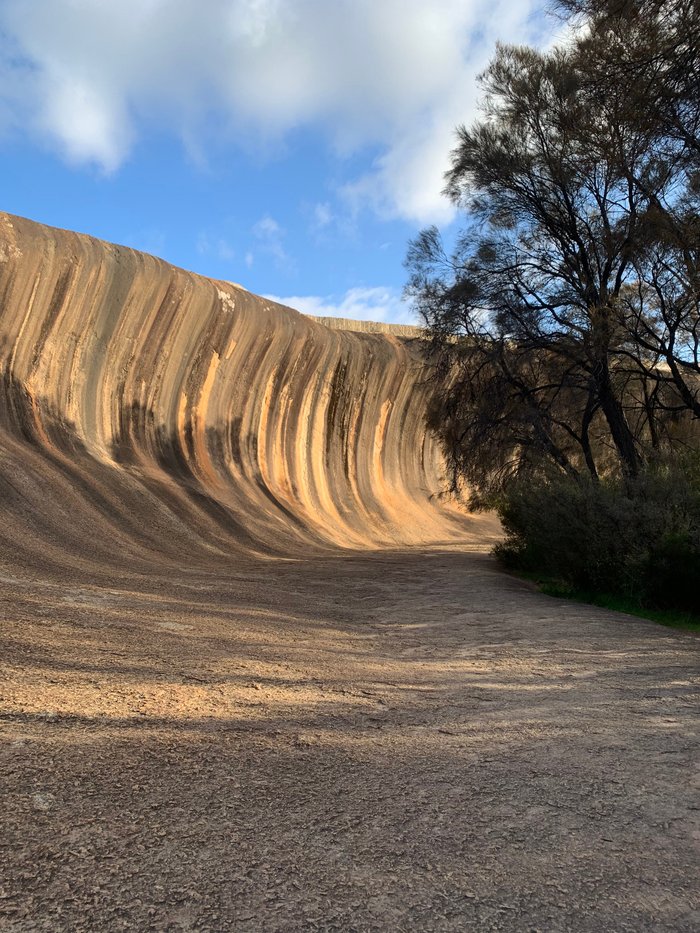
(636, 538)
(674, 618)
(565, 321)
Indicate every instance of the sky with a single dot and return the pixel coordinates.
(291, 146)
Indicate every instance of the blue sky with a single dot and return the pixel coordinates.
(293, 146)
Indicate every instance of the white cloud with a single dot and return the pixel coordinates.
(90, 124)
(270, 240)
(322, 215)
(222, 248)
(225, 251)
(268, 229)
(384, 305)
(393, 77)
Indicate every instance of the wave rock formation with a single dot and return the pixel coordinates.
(150, 411)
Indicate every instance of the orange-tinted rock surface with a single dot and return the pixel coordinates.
(146, 409)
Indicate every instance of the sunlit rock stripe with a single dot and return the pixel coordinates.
(369, 327)
(147, 409)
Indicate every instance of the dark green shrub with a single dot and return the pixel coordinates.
(673, 574)
(636, 538)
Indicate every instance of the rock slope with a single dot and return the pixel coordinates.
(148, 409)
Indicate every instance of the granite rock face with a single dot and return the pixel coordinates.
(145, 408)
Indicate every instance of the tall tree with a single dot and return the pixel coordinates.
(650, 51)
(581, 213)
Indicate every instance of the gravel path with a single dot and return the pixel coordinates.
(391, 742)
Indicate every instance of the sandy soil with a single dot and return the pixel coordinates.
(406, 741)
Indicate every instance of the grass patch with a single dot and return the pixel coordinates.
(669, 617)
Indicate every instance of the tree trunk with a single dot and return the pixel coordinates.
(620, 431)
(586, 439)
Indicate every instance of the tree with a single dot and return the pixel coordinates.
(650, 49)
(556, 300)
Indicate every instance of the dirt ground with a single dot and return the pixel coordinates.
(386, 742)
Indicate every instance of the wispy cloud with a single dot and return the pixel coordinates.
(381, 304)
(322, 215)
(269, 236)
(219, 247)
(225, 251)
(391, 77)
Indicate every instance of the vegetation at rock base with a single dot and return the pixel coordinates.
(565, 322)
(637, 539)
(673, 618)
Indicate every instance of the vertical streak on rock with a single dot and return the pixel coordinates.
(172, 401)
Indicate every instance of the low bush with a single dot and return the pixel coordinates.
(639, 538)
